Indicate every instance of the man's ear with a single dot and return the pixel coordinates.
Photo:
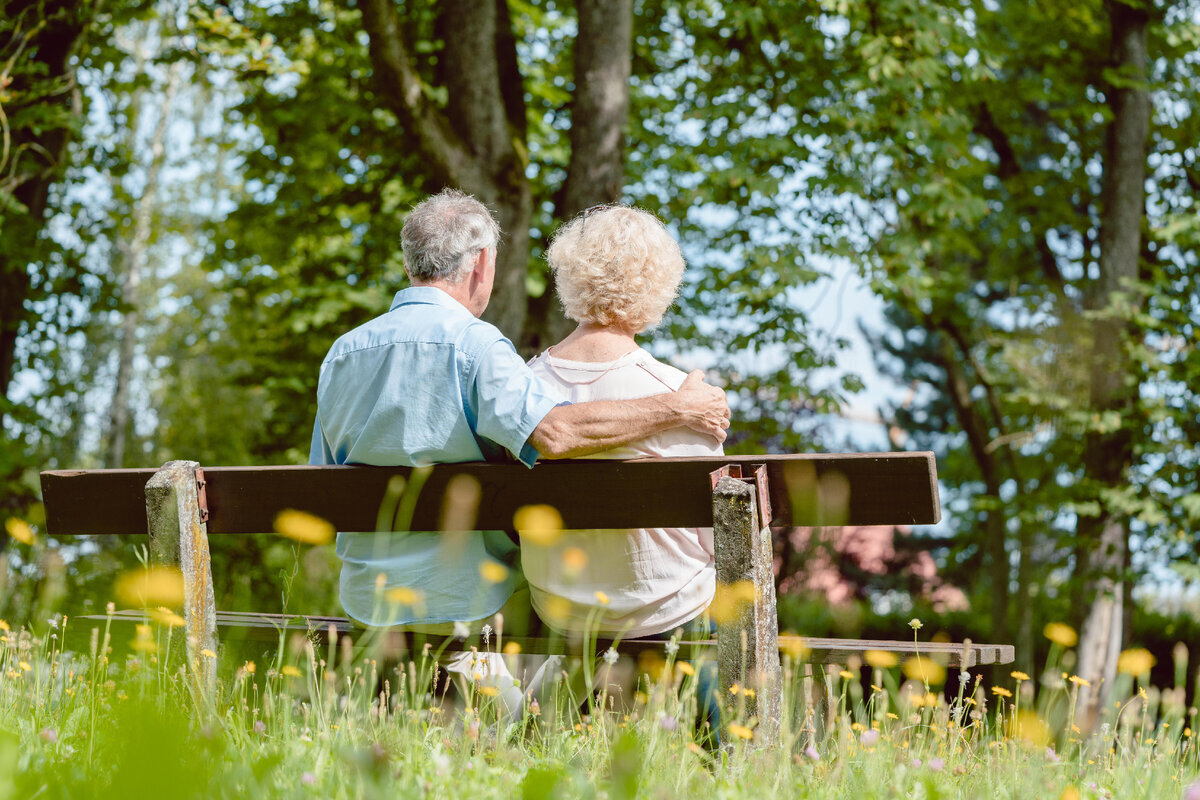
(481, 264)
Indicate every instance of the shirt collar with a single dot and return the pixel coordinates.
(426, 295)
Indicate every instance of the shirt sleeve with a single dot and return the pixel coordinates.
(509, 401)
(318, 452)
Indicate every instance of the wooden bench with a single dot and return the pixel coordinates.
(741, 497)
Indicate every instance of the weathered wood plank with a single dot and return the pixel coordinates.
(809, 489)
(267, 627)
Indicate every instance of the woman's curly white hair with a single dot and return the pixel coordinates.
(616, 266)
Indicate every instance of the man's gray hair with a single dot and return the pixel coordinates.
(443, 235)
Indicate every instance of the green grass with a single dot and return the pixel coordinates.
(117, 715)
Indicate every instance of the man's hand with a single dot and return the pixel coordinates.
(570, 431)
(704, 408)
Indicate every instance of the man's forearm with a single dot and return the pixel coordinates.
(585, 428)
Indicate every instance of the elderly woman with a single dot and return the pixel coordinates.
(618, 270)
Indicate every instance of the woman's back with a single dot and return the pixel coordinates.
(653, 579)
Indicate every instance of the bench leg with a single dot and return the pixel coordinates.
(179, 538)
(748, 629)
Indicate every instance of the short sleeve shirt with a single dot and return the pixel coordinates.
(425, 383)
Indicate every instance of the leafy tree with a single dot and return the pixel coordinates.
(1021, 297)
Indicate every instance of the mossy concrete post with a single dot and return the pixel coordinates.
(179, 538)
(747, 626)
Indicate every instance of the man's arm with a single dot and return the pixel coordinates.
(584, 428)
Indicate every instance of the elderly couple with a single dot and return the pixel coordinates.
(429, 382)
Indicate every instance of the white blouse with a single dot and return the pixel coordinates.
(654, 579)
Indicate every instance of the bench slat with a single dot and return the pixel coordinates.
(809, 489)
(267, 627)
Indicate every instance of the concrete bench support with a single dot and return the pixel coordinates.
(748, 630)
(179, 538)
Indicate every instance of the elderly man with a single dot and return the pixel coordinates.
(429, 382)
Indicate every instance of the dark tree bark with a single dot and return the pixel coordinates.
(599, 114)
(1108, 455)
(958, 388)
(477, 141)
(37, 40)
(470, 144)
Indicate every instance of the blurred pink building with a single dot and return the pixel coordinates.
(839, 562)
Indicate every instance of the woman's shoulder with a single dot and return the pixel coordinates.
(671, 376)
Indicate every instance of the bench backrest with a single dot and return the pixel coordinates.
(810, 489)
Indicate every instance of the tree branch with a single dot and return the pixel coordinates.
(451, 162)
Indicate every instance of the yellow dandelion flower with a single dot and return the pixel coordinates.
(303, 527)
(556, 609)
(150, 586)
(685, 668)
(741, 731)
(404, 596)
(881, 659)
(250, 667)
(601, 598)
(4, 626)
(1061, 634)
(695, 748)
(1137, 661)
(847, 675)
(1078, 681)
(734, 689)
(748, 693)
(25, 666)
(923, 669)
(289, 671)
(794, 646)
(729, 599)
(574, 559)
(20, 530)
(1032, 729)
(539, 525)
(144, 645)
(208, 653)
(511, 648)
(1069, 793)
(165, 616)
(1018, 675)
(1000, 691)
(493, 572)
(489, 691)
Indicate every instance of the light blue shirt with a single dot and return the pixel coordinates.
(425, 383)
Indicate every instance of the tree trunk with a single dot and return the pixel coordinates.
(45, 34)
(477, 142)
(970, 418)
(134, 254)
(1108, 455)
(599, 114)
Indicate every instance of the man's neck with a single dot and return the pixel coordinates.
(459, 291)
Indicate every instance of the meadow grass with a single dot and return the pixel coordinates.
(95, 709)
